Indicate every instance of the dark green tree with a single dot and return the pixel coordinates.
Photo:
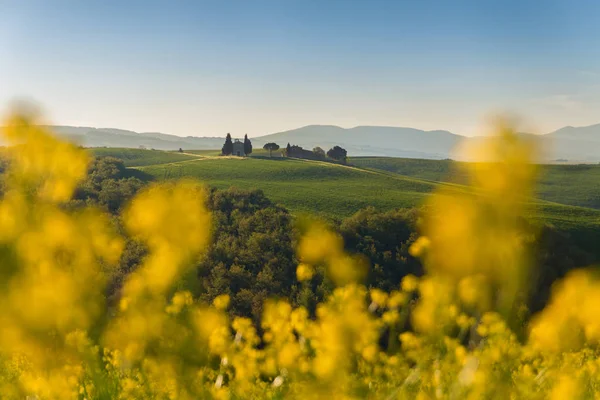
(228, 146)
(247, 145)
(319, 152)
(252, 254)
(108, 184)
(271, 147)
(384, 238)
(180, 150)
(337, 153)
(288, 150)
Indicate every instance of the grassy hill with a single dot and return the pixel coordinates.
(571, 184)
(139, 157)
(334, 190)
(213, 153)
(303, 186)
(339, 191)
(256, 152)
(576, 185)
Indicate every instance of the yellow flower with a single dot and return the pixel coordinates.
(379, 297)
(304, 272)
(419, 247)
(288, 355)
(410, 283)
(319, 244)
(221, 302)
(473, 291)
(345, 269)
(397, 299)
(179, 301)
(460, 353)
(477, 231)
(369, 353)
(299, 319)
(390, 317)
(566, 388)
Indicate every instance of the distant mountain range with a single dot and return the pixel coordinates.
(372, 140)
(568, 143)
(581, 144)
(110, 137)
(575, 143)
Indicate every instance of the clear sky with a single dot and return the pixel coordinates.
(211, 67)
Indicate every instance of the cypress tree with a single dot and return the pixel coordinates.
(228, 146)
(247, 145)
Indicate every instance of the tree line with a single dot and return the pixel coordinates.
(336, 153)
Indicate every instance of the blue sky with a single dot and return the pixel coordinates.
(257, 67)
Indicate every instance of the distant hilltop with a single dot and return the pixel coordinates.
(110, 137)
(575, 144)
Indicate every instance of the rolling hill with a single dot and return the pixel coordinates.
(110, 137)
(371, 140)
(572, 144)
(576, 185)
(580, 144)
(575, 143)
(339, 191)
(140, 157)
(585, 133)
(302, 186)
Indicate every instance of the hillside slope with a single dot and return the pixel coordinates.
(303, 186)
(339, 191)
(140, 157)
(575, 185)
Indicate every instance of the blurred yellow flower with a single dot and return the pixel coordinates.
(221, 302)
(410, 283)
(304, 272)
(419, 247)
(566, 388)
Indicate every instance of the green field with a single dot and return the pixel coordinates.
(571, 184)
(257, 152)
(339, 191)
(140, 157)
(207, 153)
(576, 185)
(303, 186)
(434, 170)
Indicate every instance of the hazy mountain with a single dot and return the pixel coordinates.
(581, 144)
(110, 137)
(586, 133)
(371, 140)
(575, 143)
(569, 143)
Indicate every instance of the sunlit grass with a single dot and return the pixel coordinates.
(577, 185)
(140, 157)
